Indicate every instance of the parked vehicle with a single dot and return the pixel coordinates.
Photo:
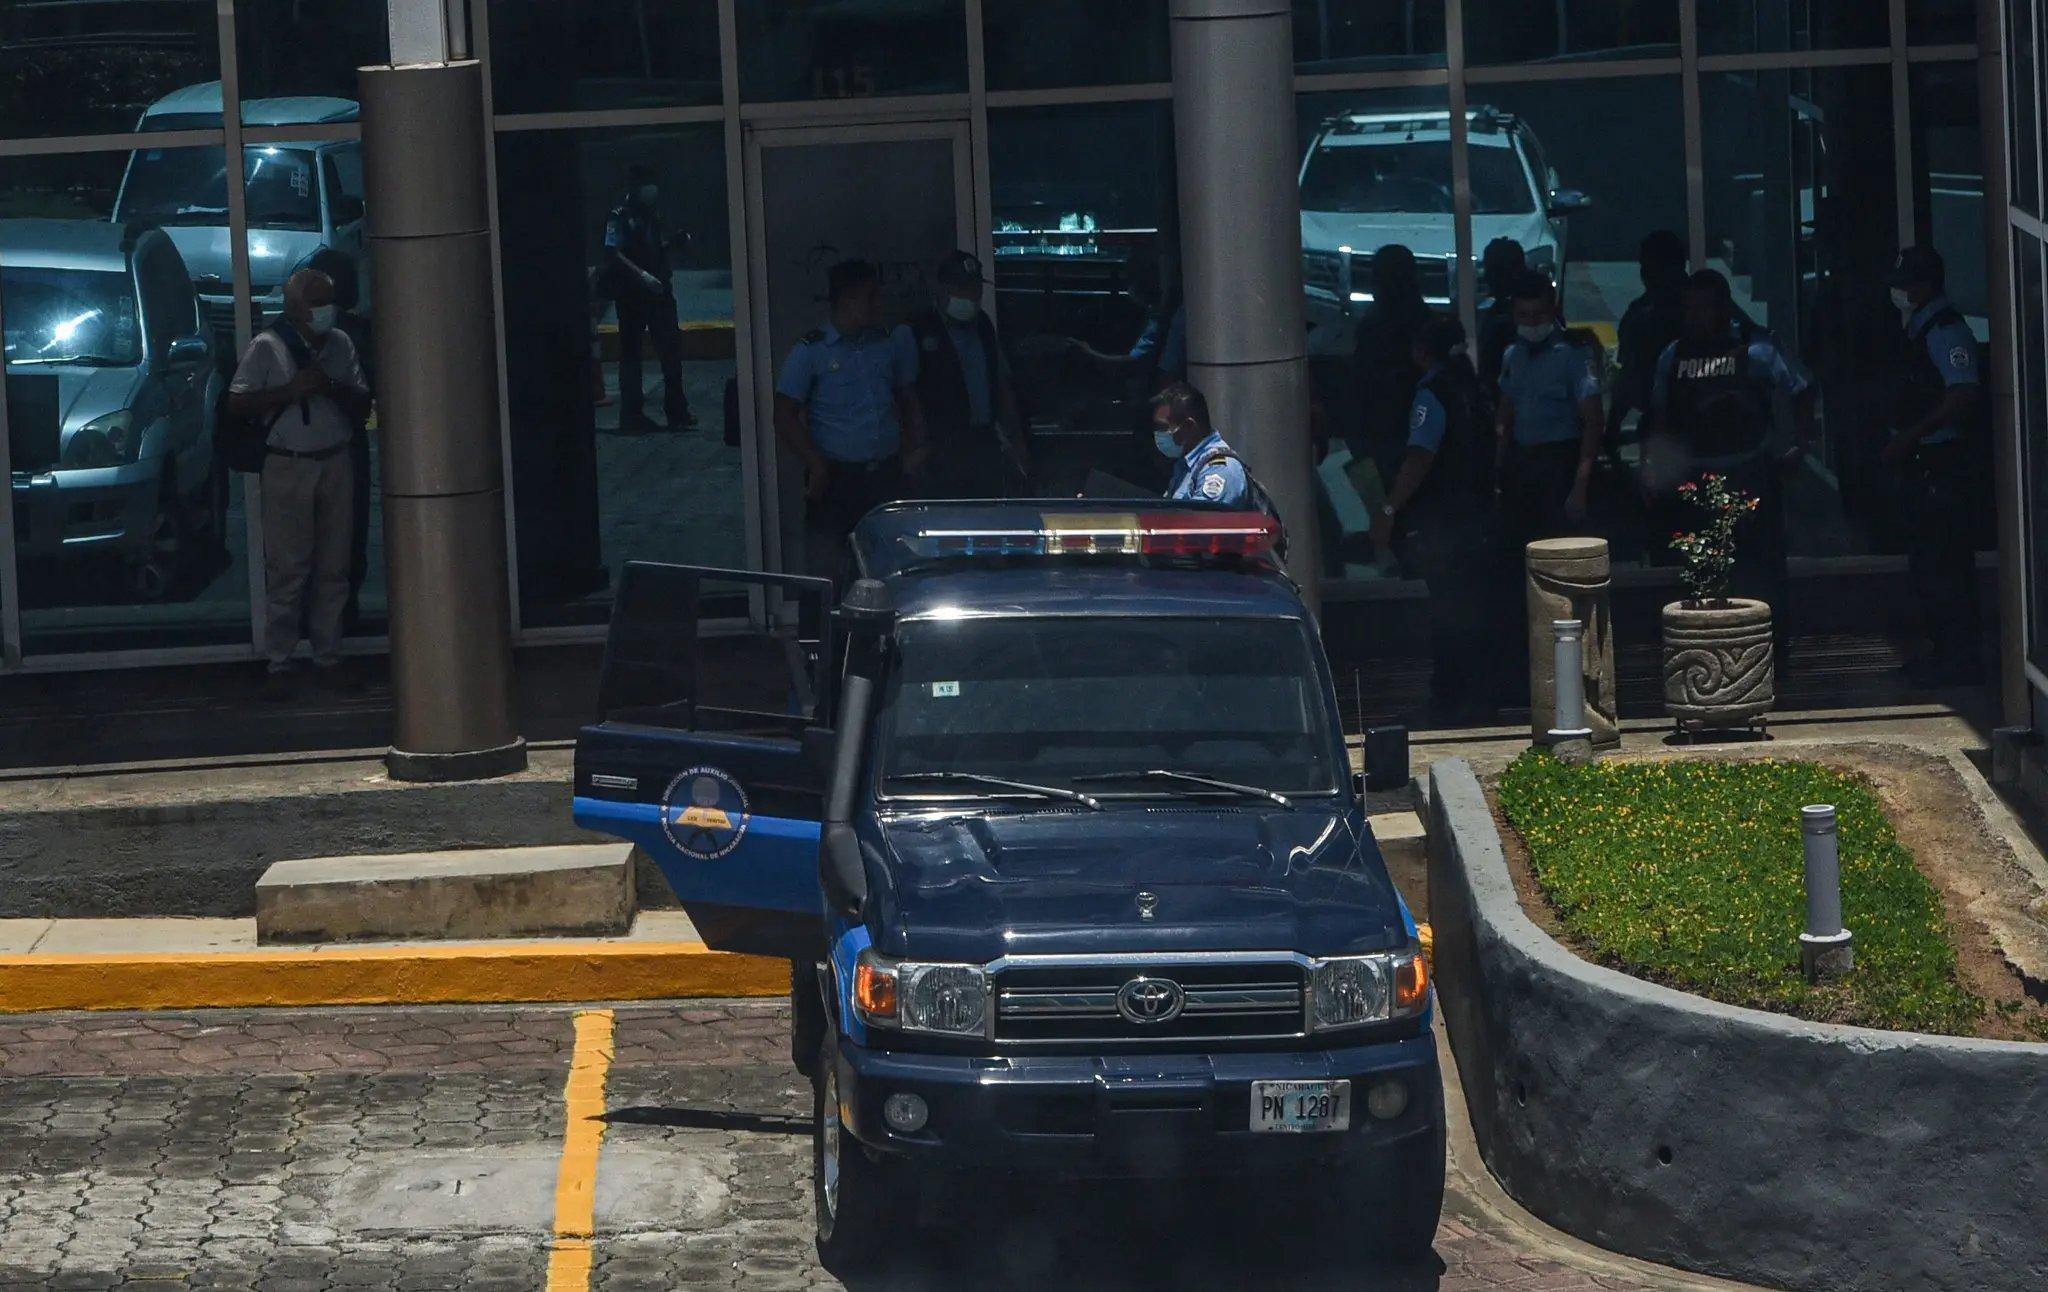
(1058, 832)
(301, 198)
(111, 390)
(1370, 179)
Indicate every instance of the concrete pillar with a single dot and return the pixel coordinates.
(1569, 578)
(1240, 220)
(2009, 486)
(424, 142)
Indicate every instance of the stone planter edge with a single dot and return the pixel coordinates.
(1728, 1141)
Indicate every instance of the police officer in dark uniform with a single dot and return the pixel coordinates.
(1932, 448)
(963, 384)
(846, 405)
(1504, 262)
(636, 248)
(1648, 326)
(1442, 499)
(1713, 408)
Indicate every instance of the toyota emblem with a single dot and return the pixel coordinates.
(1150, 1000)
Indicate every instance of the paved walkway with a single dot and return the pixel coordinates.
(423, 1148)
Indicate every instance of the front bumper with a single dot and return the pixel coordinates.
(1129, 1115)
(65, 512)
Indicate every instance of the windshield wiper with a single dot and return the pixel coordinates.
(1193, 778)
(1003, 783)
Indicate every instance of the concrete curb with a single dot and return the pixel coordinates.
(457, 974)
(1724, 1140)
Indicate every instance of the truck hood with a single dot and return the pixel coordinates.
(1425, 235)
(976, 887)
(273, 254)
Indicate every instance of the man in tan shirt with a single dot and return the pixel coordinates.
(303, 379)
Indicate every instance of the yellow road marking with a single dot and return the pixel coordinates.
(576, 1177)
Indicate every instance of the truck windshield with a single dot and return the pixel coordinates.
(172, 186)
(1411, 177)
(1074, 701)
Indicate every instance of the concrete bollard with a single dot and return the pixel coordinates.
(1570, 739)
(1826, 950)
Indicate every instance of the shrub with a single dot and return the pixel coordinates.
(1690, 873)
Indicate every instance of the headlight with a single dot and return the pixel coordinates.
(108, 441)
(951, 999)
(1367, 989)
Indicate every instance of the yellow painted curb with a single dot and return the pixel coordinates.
(457, 974)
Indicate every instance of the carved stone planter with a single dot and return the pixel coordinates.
(1718, 670)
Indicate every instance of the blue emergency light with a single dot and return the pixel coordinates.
(893, 539)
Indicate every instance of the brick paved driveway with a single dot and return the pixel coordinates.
(418, 1148)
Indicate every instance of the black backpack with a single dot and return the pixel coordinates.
(243, 441)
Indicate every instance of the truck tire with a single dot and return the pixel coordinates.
(858, 1200)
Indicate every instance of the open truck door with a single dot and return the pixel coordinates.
(710, 751)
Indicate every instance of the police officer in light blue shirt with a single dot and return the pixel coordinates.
(1549, 421)
(846, 406)
(1204, 467)
(1933, 450)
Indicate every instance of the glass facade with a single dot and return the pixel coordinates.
(2026, 28)
(638, 417)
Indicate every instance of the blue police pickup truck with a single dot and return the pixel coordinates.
(1052, 815)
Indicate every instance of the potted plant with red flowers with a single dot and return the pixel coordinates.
(1718, 671)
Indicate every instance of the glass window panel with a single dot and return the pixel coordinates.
(1774, 26)
(1941, 22)
(2033, 420)
(2024, 109)
(600, 478)
(1086, 248)
(126, 533)
(1517, 31)
(1367, 35)
(851, 49)
(1948, 182)
(75, 69)
(1801, 207)
(561, 55)
(1037, 44)
(288, 47)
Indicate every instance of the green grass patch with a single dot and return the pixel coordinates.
(1690, 873)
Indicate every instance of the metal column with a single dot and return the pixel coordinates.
(1233, 112)
(2008, 487)
(424, 139)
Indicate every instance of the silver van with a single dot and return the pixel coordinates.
(301, 197)
(111, 391)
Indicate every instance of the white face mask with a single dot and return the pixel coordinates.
(1536, 335)
(962, 310)
(1900, 301)
(322, 319)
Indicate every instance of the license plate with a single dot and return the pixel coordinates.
(1299, 1107)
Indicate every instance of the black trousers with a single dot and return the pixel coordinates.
(1941, 561)
(655, 317)
(1539, 478)
(852, 490)
(1455, 559)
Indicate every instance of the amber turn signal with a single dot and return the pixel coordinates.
(1411, 983)
(874, 990)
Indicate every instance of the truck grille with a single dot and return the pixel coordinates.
(1434, 271)
(1053, 1004)
(218, 314)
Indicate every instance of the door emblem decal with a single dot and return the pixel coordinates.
(704, 812)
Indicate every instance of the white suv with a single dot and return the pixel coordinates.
(1371, 179)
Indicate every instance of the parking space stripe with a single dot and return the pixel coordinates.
(569, 1255)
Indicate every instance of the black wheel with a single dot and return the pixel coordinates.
(858, 1200)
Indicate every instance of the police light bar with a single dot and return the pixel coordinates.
(1111, 534)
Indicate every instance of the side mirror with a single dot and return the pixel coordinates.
(188, 352)
(1567, 200)
(1358, 784)
(348, 209)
